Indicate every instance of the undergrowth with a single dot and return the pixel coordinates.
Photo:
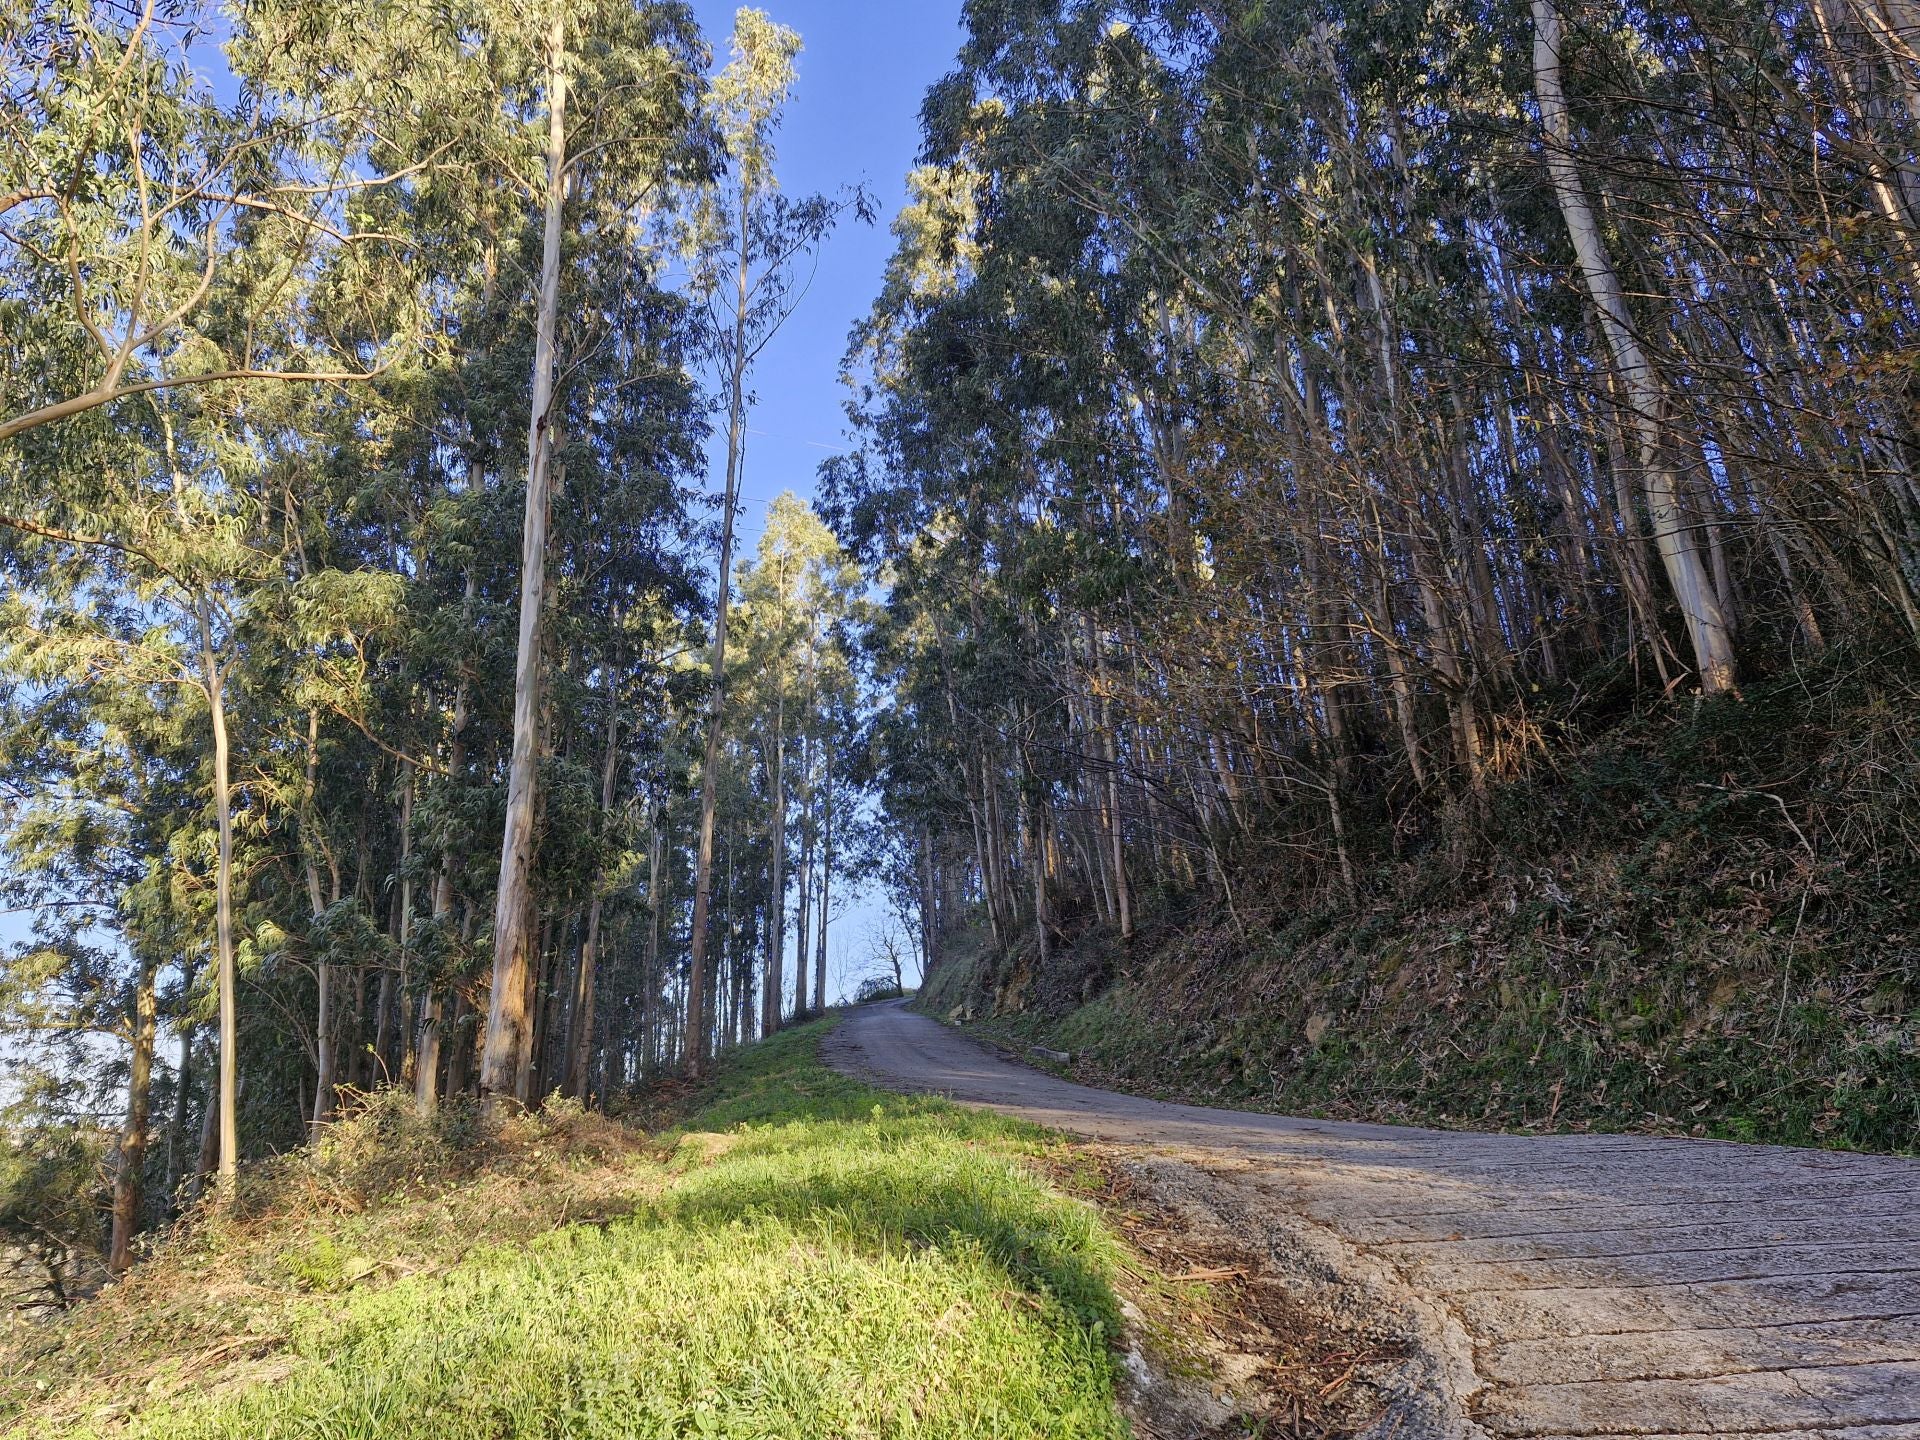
(801, 1256)
(1701, 922)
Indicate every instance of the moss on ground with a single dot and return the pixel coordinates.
(1818, 1081)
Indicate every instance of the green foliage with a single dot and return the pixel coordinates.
(334, 564)
(1695, 924)
(818, 1259)
(1272, 574)
(321, 1265)
(50, 1183)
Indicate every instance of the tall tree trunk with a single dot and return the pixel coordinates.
(574, 1077)
(508, 1019)
(526, 1067)
(325, 1049)
(650, 977)
(826, 877)
(717, 703)
(357, 1049)
(982, 852)
(1701, 606)
(1803, 614)
(1399, 682)
(803, 933)
(771, 977)
(1122, 890)
(182, 1085)
(426, 1054)
(716, 1008)
(1446, 660)
(574, 1081)
(1893, 197)
(999, 873)
(929, 903)
(387, 1027)
(1038, 843)
(215, 682)
(460, 1054)
(432, 1014)
(426, 1059)
(396, 1054)
(974, 775)
(131, 1159)
(1630, 547)
(208, 1158)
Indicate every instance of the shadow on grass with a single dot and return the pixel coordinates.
(879, 1172)
(1041, 1243)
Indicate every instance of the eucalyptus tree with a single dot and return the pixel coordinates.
(129, 189)
(166, 257)
(636, 130)
(1265, 409)
(747, 245)
(1701, 606)
(772, 626)
(282, 668)
(629, 608)
(798, 601)
(100, 840)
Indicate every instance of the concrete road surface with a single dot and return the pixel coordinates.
(1596, 1285)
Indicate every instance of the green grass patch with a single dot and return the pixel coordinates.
(806, 1256)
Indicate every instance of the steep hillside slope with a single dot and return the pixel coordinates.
(1707, 924)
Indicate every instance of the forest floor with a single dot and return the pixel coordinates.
(782, 1252)
(1702, 920)
(1516, 1286)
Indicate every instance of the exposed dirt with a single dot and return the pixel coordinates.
(1263, 1350)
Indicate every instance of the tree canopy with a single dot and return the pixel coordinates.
(358, 371)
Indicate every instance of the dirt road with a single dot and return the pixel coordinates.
(1559, 1286)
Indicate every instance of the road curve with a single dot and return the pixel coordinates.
(1607, 1285)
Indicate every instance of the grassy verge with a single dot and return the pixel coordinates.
(804, 1256)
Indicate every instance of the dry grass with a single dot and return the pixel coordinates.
(384, 1198)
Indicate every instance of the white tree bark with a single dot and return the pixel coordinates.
(771, 987)
(215, 679)
(1700, 603)
(696, 1032)
(508, 1017)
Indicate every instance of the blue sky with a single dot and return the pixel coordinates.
(855, 119)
